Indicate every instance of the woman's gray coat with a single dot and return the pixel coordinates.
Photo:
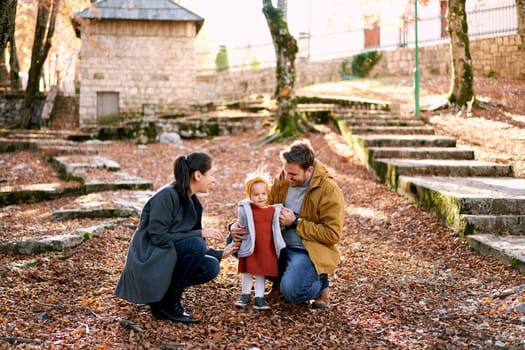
(165, 219)
(245, 218)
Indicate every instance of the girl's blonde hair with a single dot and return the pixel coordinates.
(259, 175)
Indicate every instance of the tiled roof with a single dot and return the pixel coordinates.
(153, 10)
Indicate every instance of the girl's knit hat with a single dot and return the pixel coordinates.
(259, 175)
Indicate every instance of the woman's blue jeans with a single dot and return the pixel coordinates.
(300, 281)
(193, 265)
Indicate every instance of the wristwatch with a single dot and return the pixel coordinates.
(296, 221)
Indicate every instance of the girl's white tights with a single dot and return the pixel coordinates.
(247, 284)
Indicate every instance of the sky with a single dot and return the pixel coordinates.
(241, 22)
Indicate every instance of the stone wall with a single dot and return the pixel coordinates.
(229, 86)
(494, 57)
(65, 113)
(11, 104)
(147, 63)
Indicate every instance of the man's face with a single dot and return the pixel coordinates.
(296, 175)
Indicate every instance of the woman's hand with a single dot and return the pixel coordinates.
(230, 249)
(238, 232)
(212, 233)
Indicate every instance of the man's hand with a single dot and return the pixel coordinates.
(286, 217)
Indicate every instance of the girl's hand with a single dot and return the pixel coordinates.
(212, 233)
(238, 232)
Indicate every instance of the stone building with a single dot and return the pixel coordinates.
(137, 58)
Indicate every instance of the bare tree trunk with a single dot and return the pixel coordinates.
(7, 28)
(520, 9)
(283, 6)
(3, 70)
(14, 64)
(289, 122)
(44, 30)
(462, 84)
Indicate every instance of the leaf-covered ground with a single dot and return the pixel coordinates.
(405, 281)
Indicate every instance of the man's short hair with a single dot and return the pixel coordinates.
(300, 152)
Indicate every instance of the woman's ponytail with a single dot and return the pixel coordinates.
(185, 167)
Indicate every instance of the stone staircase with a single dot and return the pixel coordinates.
(480, 201)
(102, 191)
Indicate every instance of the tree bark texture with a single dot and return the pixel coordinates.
(520, 12)
(462, 80)
(44, 30)
(285, 46)
(14, 65)
(7, 30)
(520, 9)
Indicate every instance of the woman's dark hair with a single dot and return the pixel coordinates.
(299, 152)
(184, 168)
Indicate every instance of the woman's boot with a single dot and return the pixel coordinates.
(170, 308)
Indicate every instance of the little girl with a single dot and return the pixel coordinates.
(260, 251)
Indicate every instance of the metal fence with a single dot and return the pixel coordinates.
(498, 20)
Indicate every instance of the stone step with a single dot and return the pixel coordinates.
(11, 145)
(388, 170)
(105, 204)
(97, 174)
(348, 102)
(59, 150)
(420, 153)
(404, 141)
(36, 193)
(69, 165)
(511, 224)
(464, 202)
(508, 249)
(379, 115)
(23, 144)
(34, 245)
(384, 122)
(72, 135)
(389, 130)
(125, 182)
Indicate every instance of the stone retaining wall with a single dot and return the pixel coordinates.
(11, 104)
(493, 57)
(229, 86)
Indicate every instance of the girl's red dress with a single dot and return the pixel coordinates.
(263, 261)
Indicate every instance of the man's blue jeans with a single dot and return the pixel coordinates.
(300, 281)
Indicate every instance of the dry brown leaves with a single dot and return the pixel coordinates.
(404, 282)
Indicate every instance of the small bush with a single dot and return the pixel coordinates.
(363, 63)
(254, 62)
(222, 63)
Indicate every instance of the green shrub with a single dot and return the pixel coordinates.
(222, 63)
(363, 63)
(254, 62)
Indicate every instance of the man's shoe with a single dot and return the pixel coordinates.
(322, 302)
(243, 300)
(260, 304)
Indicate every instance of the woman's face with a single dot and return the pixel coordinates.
(203, 180)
